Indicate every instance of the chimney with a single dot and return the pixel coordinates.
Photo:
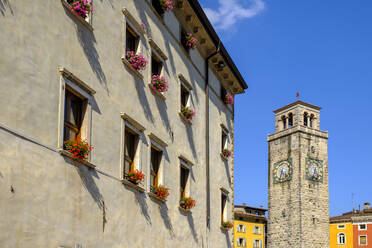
(367, 205)
(244, 204)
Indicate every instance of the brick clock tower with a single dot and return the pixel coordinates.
(298, 179)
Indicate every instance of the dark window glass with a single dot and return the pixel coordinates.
(184, 96)
(290, 120)
(223, 93)
(155, 164)
(305, 119)
(183, 40)
(223, 140)
(183, 181)
(74, 107)
(131, 40)
(156, 65)
(130, 148)
(157, 6)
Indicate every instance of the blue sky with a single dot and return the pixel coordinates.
(322, 49)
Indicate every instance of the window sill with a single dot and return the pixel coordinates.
(156, 198)
(128, 65)
(184, 211)
(132, 185)
(224, 157)
(185, 120)
(79, 18)
(69, 155)
(161, 95)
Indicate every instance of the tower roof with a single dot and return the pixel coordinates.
(298, 102)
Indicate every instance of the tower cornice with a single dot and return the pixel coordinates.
(295, 129)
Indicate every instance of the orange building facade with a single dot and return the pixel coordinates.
(352, 229)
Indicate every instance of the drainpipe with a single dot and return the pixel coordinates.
(208, 211)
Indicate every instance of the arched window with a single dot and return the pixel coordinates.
(290, 120)
(305, 119)
(284, 120)
(341, 238)
(311, 120)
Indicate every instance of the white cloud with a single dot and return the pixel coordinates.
(231, 11)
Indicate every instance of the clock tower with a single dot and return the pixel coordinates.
(298, 205)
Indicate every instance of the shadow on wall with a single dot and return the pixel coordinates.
(141, 199)
(190, 219)
(167, 221)
(228, 241)
(4, 5)
(140, 87)
(87, 40)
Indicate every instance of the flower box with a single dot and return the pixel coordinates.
(130, 67)
(79, 148)
(226, 153)
(187, 203)
(187, 114)
(68, 4)
(226, 225)
(191, 42)
(132, 185)
(166, 5)
(229, 99)
(160, 192)
(69, 155)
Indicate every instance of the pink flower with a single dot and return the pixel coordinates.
(159, 83)
(191, 41)
(229, 99)
(136, 60)
(167, 5)
(82, 7)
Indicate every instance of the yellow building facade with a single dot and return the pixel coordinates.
(341, 233)
(249, 227)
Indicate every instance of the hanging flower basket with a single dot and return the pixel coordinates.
(166, 5)
(137, 61)
(160, 191)
(81, 7)
(226, 153)
(229, 99)
(191, 41)
(159, 84)
(187, 113)
(78, 148)
(135, 176)
(187, 203)
(227, 224)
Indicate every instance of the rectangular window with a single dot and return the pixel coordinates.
(257, 230)
(74, 112)
(257, 243)
(156, 65)
(223, 207)
(362, 227)
(363, 240)
(241, 228)
(156, 156)
(185, 94)
(157, 6)
(223, 93)
(132, 40)
(241, 242)
(184, 40)
(223, 140)
(184, 181)
(130, 148)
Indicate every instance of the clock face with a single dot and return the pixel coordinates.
(314, 170)
(282, 171)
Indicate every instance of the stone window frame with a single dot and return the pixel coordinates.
(130, 20)
(255, 228)
(138, 129)
(339, 242)
(361, 229)
(224, 192)
(69, 80)
(241, 228)
(342, 226)
(259, 243)
(364, 235)
(162, 57)
(87, 22)
(184, 162)
(224, 131)
(244, 242)
(184, 83)
(160, 145)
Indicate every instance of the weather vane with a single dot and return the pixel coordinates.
(298, 96)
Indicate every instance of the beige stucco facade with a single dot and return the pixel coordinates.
(49, 200)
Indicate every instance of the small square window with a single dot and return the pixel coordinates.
(362, 227)
(363, 240)
(156, 157)
(157, 6)
(156, 65)
(257, 230)
(132, 40)
(241, 228)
